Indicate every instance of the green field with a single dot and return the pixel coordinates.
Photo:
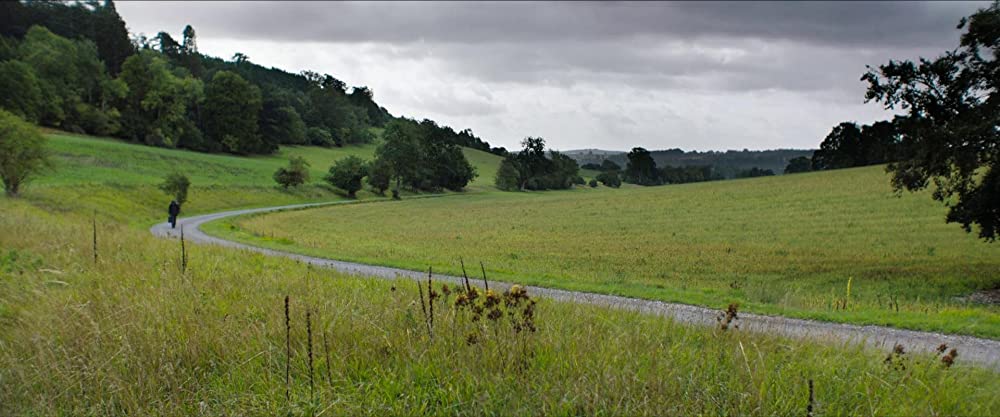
(799, 245)
(134, 335)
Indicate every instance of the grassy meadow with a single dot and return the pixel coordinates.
(140, 331)
(836, 245)
(134, 334)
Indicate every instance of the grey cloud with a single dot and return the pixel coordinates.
(833, 23)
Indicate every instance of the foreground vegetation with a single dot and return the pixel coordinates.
(137, 332)
(837, 246)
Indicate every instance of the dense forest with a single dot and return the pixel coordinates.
(74, 66)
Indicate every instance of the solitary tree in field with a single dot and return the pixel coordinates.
(296, 174)
(176, 185)
(641, 168)
(347, 174)
(951, 135)
(22, 152)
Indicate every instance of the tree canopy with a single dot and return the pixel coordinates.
(22, 152)
(72, 66)
(641, 168)
(534, 168)
(951, 135)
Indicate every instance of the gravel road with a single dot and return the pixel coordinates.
(984, 352)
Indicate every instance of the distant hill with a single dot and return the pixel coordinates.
(726, 163)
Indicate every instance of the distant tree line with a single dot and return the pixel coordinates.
(849, 145)
(73, 66)
(723, 164)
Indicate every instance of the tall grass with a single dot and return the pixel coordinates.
(130, 336)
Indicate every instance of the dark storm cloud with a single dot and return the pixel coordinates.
(828, 23)
(736, 46)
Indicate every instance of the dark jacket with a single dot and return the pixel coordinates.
(174, 209)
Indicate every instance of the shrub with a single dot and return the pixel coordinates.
(319, 137)
(610, 179)
(297, 173)
(176, 185)
(347, 174)
(593, 183)
(22, 152)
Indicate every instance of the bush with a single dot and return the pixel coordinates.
(296, 174)
(22, 152)
(593, 183)
(319, 137)
(610, 179)
(347, 174)
(176, 185)
(579, 180)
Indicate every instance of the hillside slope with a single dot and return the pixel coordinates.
(89, 170)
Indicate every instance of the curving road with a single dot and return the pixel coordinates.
(984, 352)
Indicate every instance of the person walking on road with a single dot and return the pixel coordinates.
(173, 211)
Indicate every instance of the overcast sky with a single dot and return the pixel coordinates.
(588, 75)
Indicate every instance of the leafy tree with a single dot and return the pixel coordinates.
(230, 114)
(347, 174)
(951, 134)
(535, 169)
(799, 164)
(379, 176)
(22, 93)
(157, 103)
(532, 161)
(282, 125)
(641, 168)
(296, 174)
(508, 177)
(319, 137)
(448, 166)
(579, 180)
(591, 166)
(609, 179)
(593, 183)
(22, 152)
(69, 72)
(176, 185)
(400, 153)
